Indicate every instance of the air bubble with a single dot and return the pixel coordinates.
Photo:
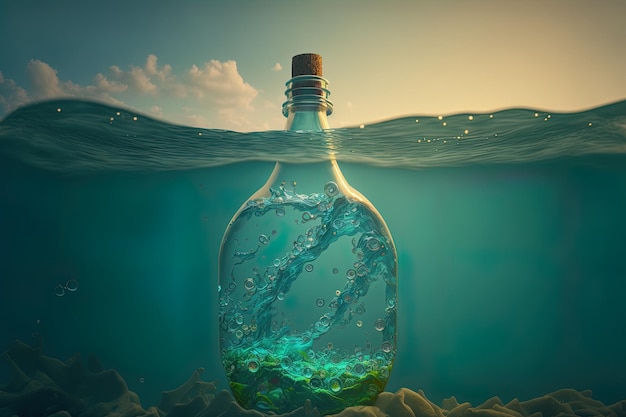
(322, 206)
(280, 211)
(338, 223)
(239, 334)
(335, 270)
(359, 323)
(308, 267)
(253, 365)
(358, 369)
(249, 284)
(391, 302)
(264, 240)
(306, 216)
(379, 325)
(373, 244)
(286, 362)
(239, 320)
(319, 302)
(59, 290)
(331, 189)
(316, 383)
(386, 347)
(307, 372)
(351, 273)
(372, 389)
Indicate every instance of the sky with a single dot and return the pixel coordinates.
(224, 64)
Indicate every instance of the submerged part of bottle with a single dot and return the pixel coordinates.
(307, 283)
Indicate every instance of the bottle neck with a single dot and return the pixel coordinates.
(307, 105)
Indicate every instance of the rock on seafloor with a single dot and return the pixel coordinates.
(47, 387)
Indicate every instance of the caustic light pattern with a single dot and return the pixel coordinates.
(307, 301)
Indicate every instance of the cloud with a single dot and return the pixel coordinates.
(277, 67)
(11, 95)
(220, 83)
(214, 85)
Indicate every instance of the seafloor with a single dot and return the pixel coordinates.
(47, 387)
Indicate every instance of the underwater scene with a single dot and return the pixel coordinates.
(509, 230)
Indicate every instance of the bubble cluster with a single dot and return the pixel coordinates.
(281, 241)
(70, 286)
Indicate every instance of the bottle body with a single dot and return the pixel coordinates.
(307, 292)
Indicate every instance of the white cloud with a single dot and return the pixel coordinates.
(217, 89)
(156, 111)
(11, 95)
(219, 83)
(277, 67)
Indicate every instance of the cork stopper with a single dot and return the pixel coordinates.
(306, 64)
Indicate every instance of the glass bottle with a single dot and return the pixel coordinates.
(307, 279)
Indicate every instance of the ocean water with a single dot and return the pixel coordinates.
(510, 229)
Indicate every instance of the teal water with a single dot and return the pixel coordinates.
(510, 240)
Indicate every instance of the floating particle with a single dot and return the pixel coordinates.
(338, 223)
(239, 334)
(443, 124)
(264, 240)
(466, 131)
(338, 293)
(361, 126)
(71, 285)
(135, 118)
(440, 117)
(386, 347)
(58, 110)
(379, 325)
(249, 284)
(59, 290)
(319, 302)
(391, 302)
(331, 189)
(308, 267)
(470, 117)
(359, 323)
(253, 365)
(536, 114)
(372, 389)
(142, 380)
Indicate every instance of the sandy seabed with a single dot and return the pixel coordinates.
(47, 387)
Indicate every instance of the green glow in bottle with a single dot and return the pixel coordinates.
(307, 279)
